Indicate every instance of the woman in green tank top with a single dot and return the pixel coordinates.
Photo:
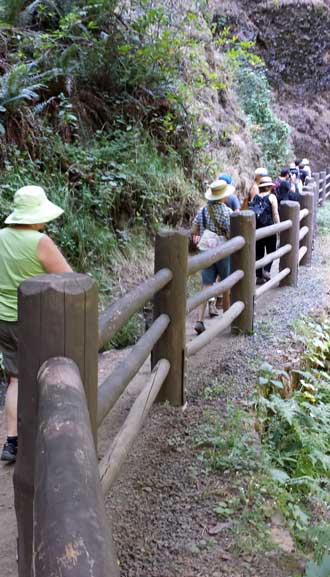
(25, 251)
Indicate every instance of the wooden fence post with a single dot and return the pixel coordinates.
(323, 175)
(244, 224)
(290, 210)
(307, 201)
(71, 534)
(171, 252)
(58, 317)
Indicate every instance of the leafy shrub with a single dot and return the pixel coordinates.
(120, 184)
(270, 133)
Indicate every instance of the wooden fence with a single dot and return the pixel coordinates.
(58, 494)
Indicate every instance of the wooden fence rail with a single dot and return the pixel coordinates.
(71, 533)
(59, 319)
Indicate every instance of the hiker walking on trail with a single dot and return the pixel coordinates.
(258, 175)
(25, 251)
(214, 217)
(232, 200)
(265, 206)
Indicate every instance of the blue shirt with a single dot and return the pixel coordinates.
(233, 202)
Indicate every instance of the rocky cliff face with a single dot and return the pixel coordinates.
(293, 38)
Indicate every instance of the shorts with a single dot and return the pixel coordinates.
(8, 346)
(220, 268)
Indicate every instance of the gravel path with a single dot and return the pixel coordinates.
(162, 506)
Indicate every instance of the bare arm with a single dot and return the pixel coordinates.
(253, 191)
(274, 203)
(51, 257)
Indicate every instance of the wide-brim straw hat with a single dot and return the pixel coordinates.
(261, 171)
(218, 190)
(31, 206)
(266, 181)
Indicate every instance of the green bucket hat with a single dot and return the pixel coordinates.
(31, 206)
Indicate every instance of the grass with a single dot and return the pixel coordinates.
(275, 457)
(323, 220)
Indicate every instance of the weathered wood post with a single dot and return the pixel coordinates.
(244, 224)
(58, 317)
(289, 210)
(307, 201)
(313, 187)
(72, 537)
(323, 176)
(171, 252)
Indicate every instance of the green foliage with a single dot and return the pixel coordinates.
(286, 468)
(323, 220)
(119, 185)
(322, 570)
(128, 335)
(296, 422)
(269, 132)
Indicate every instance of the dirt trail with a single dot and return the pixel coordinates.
(160, 507)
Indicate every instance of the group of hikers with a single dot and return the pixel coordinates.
(211, 226)
(26, 251)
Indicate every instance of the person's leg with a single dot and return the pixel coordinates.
(8, 344)
(208, 278)
(11, 407)
(260, 253)
(201, 308)
(223, 270)
(9, 450)
(270, 247)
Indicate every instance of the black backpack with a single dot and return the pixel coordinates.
(263, 210)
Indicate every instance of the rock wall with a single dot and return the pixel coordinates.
(293, 38)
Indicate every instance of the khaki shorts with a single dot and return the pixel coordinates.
(8, 346)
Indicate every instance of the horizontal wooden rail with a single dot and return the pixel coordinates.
(303, 232)
(115, 384)
(112, 461)
(272, 229)
(209, 257)
(71, 534)
(302, 252)
(303, 213)
(272, 282)
(217, 327)
(215, 290)
(273, 256)
(113, 318)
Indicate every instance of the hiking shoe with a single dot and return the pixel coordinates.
(260, 280)
(199, 327)
(9, 453)
(266, 275)
(213, 311)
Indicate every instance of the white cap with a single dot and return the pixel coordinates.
(261, 171)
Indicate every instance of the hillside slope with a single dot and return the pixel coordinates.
(293, 38)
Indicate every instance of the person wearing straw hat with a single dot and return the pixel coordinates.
(265, 206)
(25, 251)
(214, 217)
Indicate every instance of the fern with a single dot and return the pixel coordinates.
(322, 570)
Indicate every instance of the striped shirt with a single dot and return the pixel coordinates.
(221, 216)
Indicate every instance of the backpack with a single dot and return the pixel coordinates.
(263, 210)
